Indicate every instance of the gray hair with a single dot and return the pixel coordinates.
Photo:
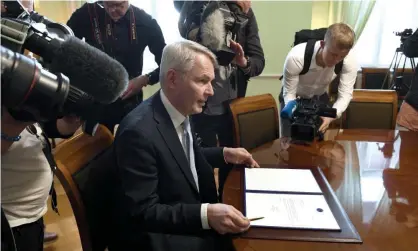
(180, 56)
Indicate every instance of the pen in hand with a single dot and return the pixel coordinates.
(256, 218)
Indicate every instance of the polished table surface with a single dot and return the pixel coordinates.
(374, 174)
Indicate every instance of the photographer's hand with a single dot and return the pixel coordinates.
(68, 125)
(240, 58)
(244, 4)
(325, 124)
(135, 86)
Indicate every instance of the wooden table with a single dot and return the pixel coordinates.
(374, 174)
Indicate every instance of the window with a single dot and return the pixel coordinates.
(167, 17)
(377, 44)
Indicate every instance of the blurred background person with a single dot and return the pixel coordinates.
(408, 114)
(123, 31)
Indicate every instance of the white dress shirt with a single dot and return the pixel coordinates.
(177, 118)
(317, 79)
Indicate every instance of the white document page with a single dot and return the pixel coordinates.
(281, 180)
(290, 211)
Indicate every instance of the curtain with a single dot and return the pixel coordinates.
(167, 17)
(378, 43)
(354, 13)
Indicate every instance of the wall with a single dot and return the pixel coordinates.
(278, 21)
(320, 13)
(59, 11)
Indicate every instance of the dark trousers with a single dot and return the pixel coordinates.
(29, 237)
(211, 129)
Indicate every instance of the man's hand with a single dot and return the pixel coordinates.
(240, 58)
(325, 124)
(135, 86)
(68, 125)
(226, 219)
(239, 156)
(244, 4)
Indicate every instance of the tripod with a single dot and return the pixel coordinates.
(397, 82)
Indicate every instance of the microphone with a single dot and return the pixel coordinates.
(288, 110)
(90, 70)
(213, 32)
(212, 29)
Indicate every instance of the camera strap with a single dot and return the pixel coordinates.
(47, 150)
(94, 20)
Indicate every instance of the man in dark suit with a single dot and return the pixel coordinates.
(169, 198)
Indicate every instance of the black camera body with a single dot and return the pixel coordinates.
(404, 35)
(306, 120)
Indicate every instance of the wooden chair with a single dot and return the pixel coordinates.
(73, 157)
(373, 78)
(255, 119)
(371, 109)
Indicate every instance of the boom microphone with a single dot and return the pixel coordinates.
(212, 29)
(90, 70)
(218, 26)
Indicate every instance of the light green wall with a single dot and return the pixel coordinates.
(320, 14)
(277, 21)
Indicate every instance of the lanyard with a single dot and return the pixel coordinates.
(47, 149)
(94, 20)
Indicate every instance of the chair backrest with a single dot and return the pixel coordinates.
(374, 78)
(371, 109)
(73, 157)
(256, 120)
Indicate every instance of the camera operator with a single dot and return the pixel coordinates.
(336, 46)
(123, 31)
(408, 113)
(27, 174)
(214, 125)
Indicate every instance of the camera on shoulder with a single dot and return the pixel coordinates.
(213, 24)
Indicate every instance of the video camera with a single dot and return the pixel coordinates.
(38, 90)
(212, 24)
(305, 116)
(404, 35)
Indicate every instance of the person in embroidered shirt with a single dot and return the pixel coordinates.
(123, 31)
(168, 198)
(336, 46)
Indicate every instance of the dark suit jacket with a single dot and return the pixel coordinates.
(161, 205)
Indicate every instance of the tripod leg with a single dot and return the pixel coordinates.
(396, 66)
(413, 66)
(388, 73)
